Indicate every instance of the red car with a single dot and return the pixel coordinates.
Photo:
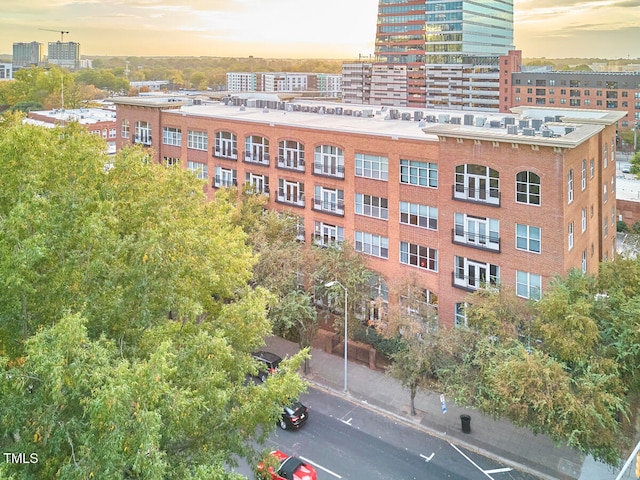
(289, 468)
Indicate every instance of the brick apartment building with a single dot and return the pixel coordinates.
(455, 200)
(543, 87)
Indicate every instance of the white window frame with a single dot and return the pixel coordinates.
(477, 183)
(225, 177)
(371, 244)
(531, 236)
(325, 234)
(425, 258)
(584, 219)
(472, 275)
(570, 186)
(142, 132)
(291, 154)
(328, 160)
(197, 140)
(256, 149)
(419, 173)
(584, 174)
(528, 285)
(570, 235)
(200, 169)
(418, 215)
(291, 192)
(172, 136)
(477, 231)
(125, 128)
(225, 145)
(259, 183)
(371, 206)
(372, 166)
(328, 200)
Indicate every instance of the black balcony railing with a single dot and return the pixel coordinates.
(321, 204)
(228, 153)
(292, 163)
(221, 181)
(490, 196)
(320, 168)
(474, 239)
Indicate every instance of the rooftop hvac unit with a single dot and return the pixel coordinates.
(455, 120)
(251, 103)
(226, 100)
(338, 111)
(512, 129)
(480, 121)
(568, 130)
(305, 108)
(509, 121)
(536, 123)
(530, 132)
(549, 119)
(494, 123)
(443, 118)
(348, 112)
(367, 112)
(331, 111)
(430, 118)
(523, 123)
(417, 116)
(546, 133)
(468, 119)
(394, 114)
(558, 118)
(281, 105)
(406, 116)
(289, 108)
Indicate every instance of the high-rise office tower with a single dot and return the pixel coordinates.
(440, 53)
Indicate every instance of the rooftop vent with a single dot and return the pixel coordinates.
(530, 132)
(546, 133)
(512, 129)
(468, 119)
(494, 123)
(509, 121)
(406, 116)
(455, 120)
(523, 123)
(417, 116)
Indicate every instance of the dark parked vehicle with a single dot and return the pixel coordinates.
(271, 362)
(294, 415)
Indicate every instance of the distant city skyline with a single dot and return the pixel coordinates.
(338, 29)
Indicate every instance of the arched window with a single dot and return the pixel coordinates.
(528, 188)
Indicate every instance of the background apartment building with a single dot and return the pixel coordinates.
(320, 84)
(457, 202)
(542, 87)
(26, 55)
(64, 54)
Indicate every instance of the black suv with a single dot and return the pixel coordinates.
(294, 415)
(271, 362)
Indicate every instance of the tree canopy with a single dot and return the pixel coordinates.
(127, 316)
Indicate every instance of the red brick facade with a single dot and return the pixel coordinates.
(442, 147)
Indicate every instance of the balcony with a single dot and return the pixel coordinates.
(222, 181)
(290, 163)
(262, 159)
(336, 208)
(142, 140)
(225, 153)
(475, 240)
(335, 171)
(471, 284)
(487, 196)
(289, 198)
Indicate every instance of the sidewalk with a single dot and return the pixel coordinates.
(498, 439)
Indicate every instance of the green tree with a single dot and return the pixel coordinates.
(127, 320)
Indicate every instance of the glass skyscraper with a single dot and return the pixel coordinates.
(458, 39)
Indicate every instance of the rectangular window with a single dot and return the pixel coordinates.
(200, 169)
(605, 193)
(325, 234)
(225, 177)
(584, 174)
(592, 168)
(584, 219)
(419, 173)
(570, 235)
(419, 256)
(328, 160)
(584, 261)
(528, 238)
(290, 192)
(371, 244)
(197, 140)
(528, 285)
(172, 136)
(477, 231)
(372, 166)
(570, 186)
(472, 275)
(328, 200)
(371, 206)
(419, 215)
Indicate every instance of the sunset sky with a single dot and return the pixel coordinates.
(339, 29)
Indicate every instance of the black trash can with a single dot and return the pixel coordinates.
(466, 423)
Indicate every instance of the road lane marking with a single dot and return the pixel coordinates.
(348, 422)
(471, 461)
(428, 459)
(320, 467)
(499, 470)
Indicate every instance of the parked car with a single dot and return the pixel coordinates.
(288, 468)
(626, 168)
(270, 361)
(293, 415)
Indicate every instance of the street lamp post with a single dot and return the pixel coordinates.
(346, 337)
